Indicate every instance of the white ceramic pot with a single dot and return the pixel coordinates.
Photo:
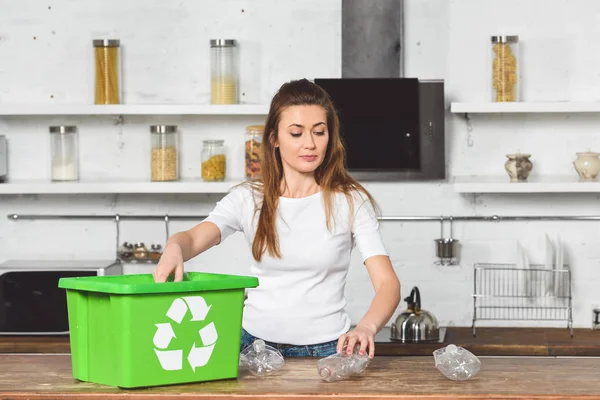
(587, 165)
(518, 166)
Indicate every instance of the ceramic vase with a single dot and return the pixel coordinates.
(587, 165)
(518, 166)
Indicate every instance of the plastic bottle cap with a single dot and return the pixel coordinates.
(452, 349)
(324, 372)
(258, 345)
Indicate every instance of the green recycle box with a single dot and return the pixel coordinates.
(128, 331)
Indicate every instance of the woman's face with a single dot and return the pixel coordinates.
(302, 138)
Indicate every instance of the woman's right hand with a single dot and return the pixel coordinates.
(171, 261)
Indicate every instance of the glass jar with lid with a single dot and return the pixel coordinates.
(223, 71)
(164, 158)
(155, 252)
(213, 160)
(64, 147)
(140, 252)
(252, 150)
(126, 251)
(505, 68)
(107, 58)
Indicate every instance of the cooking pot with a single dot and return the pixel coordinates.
(415, 325)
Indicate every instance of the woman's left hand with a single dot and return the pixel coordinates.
(363, 336)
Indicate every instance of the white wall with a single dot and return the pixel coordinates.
(45, 57)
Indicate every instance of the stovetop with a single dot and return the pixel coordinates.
(384, 337)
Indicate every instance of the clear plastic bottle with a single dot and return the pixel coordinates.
(341, 366)
(456, 363)
(261, 359)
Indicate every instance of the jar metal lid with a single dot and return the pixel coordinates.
(222, 42)
(505, 39)
(213, 142)
(63, 129)
(255, 128)
(106, 42)
(163, 128)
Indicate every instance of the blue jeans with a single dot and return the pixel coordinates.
(288, 350)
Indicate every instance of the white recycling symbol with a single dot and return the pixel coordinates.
(172, 360)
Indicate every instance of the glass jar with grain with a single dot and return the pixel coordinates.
(164, 163)
(213, 160)
(252, 150)
(505, 68)
(107, 56)
(223, 71)
(64, 146)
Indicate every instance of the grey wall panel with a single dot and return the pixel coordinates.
(372, 33)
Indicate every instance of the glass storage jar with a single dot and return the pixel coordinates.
(505, 68)
(126, 251)
(164, 162)
(224, 71)
(140, 252)
(213, 160)
(252, 149)
(155, 252)
(64, 147)
(107, 56)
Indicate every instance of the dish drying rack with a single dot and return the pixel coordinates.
(505, 292)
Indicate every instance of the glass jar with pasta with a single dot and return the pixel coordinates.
(107, 56)
(254, 134)
(164, 162)
(505, 68)
(213, 161)
(223, 71)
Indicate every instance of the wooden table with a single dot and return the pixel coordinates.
(49, 377)
(488, 342)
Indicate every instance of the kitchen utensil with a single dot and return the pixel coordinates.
(558, 273)
(446, 248)
(498, 296)
(415, 325)
(3, 159)
(548, 279)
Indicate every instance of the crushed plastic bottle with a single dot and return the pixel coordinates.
(261, 359)
(456, 363)
(341, 366)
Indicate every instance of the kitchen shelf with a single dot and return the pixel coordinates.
(114, 186)
(525, 107)
(133, 109)
(502, 184)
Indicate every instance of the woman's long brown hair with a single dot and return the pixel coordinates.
(331, 175)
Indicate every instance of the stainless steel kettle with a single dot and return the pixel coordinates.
(415, 325)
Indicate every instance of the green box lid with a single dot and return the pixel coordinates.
(144, 283)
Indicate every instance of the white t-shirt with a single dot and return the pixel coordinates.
(300, 297)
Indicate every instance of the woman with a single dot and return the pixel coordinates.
(301, 220)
